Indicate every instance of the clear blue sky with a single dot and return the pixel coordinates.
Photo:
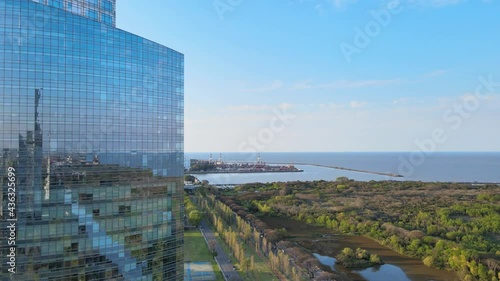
(332, 75)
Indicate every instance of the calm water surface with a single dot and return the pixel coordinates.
(377, 273)
(443, 167)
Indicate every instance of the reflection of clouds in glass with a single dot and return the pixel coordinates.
(114, 91)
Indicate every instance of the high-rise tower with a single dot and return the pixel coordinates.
(91, 134)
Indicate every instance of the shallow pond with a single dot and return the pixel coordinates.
(377, 273)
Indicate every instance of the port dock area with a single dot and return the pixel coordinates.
(211, 166)
(240, 171)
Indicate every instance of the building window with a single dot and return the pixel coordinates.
(132, 239)
(92, 14)
(55, 3)
(108, 6)
(107, 19)
(124, 210)
(82, 229)
(85, 196)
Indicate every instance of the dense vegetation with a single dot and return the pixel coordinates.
(189, 178)
(447, 225)
(202, 166)
(193, 215)
(357, 259)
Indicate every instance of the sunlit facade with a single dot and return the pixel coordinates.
(92, 133)
(99, 10)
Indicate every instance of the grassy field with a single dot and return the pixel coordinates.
(196, 250)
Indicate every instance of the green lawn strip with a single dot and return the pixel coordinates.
(196, 250)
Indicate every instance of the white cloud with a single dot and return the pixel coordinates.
(433, 3)
(275, 85)
(401, 101)
(260, 107)
(249, 107)
(322, 6)
(285, 106)
(343, 84)
(331, 105)
(386, 130)
(340, 4)
(436, 73)
(357, 104)
(473, 97)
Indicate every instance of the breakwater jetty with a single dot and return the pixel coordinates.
(347, 169)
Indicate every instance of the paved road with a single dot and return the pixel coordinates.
(222, 258)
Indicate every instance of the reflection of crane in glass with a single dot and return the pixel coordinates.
(38, 158)
(30, 167)
(46, 187)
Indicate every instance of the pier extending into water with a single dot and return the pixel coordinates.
(346, 169)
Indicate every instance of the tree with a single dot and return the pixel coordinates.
(252, 263)
(195, 217)
(429, 261)
(282, 233)
(342, 179)
(211, 246)
(348, 252)
(286, 191)
(189, 178)
(361, 254)
(245, 264)
(374, 258)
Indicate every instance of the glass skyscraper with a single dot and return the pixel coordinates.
(91, 138)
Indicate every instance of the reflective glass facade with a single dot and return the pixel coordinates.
(91, 159)
(99, 10)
